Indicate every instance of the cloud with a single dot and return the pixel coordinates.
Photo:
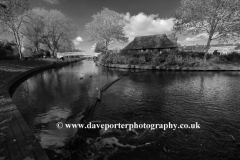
(188, 39)
(77, 41)
(52, 1)
(142, 25)
(198, 37)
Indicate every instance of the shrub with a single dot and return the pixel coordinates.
(7, 51)
(214, 60)
(231, 58)
(188, 59)
(171, 58)
(141, 60)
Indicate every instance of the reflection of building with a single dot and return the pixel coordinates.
(153, 43)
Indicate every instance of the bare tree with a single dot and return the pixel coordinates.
(12, 13)
(218, 19)
(58, 29)
(106, 27)
(34, 26)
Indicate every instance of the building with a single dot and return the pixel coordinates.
(152, 43)
(115, 51)
(196, 48)
(222, 48)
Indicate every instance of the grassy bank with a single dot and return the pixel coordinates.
(176, 58)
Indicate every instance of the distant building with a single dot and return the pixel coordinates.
(222, 48)
(196, 48)
(153, 43)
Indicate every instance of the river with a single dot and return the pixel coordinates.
(210, 99)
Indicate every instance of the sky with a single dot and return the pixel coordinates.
(145, 17)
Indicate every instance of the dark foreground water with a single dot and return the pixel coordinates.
(212, 99)
(60, 95)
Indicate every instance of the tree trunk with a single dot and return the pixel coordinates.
(37, 50)
(36, 47)
(53, 53)
(20, 52)
(19, 46)
(106, 47)
(207, 47)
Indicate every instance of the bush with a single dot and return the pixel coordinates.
(172, 58)
(231, 58)
(7, 51)
(141, 60)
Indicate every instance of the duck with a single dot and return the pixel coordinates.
(81, 76)
(90, 76)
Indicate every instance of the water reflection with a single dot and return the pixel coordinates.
(59, 95)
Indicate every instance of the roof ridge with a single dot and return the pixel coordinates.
(155, 35)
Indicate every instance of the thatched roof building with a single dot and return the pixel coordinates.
(153, 42)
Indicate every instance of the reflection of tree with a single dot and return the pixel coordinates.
(201, 84)
(42, 94)
(83, 99)
(49, 79)
(36, 98)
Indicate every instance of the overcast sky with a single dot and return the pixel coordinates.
(145, 17)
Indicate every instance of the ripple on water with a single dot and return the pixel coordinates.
(211, 99)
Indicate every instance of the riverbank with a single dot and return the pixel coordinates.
(221, 67)
(17, 140)
(175, 60)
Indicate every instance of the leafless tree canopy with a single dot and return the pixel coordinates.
(50, 28)
(106, 27)
(12, 13)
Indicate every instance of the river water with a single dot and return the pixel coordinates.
(209, 99)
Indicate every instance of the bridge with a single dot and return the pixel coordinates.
(77, 54)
